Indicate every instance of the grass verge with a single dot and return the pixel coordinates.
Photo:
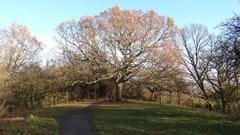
(42, 122)
(29, 126)
(152, 119)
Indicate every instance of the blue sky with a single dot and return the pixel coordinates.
(43, 16)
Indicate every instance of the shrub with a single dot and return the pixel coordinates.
(234, 110)
(217, 106)
(3, 109)
(189, 102)
(199, 106)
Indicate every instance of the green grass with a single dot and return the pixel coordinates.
(126, 119)
(42, 126)
(29, 126)
(152, 119)
(36, 123)
(59, 110)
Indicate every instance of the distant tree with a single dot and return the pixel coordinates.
(181, 86)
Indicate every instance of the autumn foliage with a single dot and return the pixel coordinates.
(121, 52)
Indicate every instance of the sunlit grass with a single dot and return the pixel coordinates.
(153, 119)
(29, 126)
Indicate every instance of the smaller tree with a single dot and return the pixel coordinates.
(29, 86)
(164, 65)
(197, 42)
(18, 47)
(223, 76)
(230, 35)
(180, 86)
(4, 76)
(224, 71)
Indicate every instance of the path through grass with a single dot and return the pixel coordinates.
(38, 123)
(126, 118)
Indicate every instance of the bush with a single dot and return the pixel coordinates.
(199, 106)
(234, 110)
(217, 106)
(3, 109)
(189, 102)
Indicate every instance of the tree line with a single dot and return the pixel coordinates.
(128, 47)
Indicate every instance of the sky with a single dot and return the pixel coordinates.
(43, 16)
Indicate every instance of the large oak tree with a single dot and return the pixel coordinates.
(115, 43)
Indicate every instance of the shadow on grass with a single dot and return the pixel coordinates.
(58, 111)
(29, 126)
(38, 122)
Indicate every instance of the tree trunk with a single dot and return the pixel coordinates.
(152, 96)
(224, 106)
(119, 87)
(179, 98)
(88, 95)
(67, 96)
(96, 88)
(170, 97)
(160, 97)
(112, 94)
(210, 107)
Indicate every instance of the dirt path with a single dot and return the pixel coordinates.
(77, 123)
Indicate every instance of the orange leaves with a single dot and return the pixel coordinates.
(170, 21)
(16, 29)
(20, 36)
(19, 47)
(124, 39)
(115, 10)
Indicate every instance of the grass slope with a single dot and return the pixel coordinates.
(36, 123)
(29, 126)
(152, 119)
